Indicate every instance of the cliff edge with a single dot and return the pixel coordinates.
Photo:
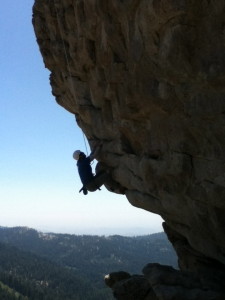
(146, 78)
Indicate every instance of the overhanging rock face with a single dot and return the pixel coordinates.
(146, 78)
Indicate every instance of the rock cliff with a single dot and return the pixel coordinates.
(146, 78)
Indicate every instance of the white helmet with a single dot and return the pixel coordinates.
(76, 154)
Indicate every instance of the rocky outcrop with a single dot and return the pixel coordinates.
(146, 78)
(162, 282)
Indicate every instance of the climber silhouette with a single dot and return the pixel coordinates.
(90, 181)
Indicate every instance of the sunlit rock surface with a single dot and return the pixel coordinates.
(147, 78)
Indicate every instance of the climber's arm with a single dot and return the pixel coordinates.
(95, 152)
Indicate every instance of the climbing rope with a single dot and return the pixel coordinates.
(67, 63)
(85, 143)
(60, 32)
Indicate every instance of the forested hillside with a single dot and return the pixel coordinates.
(38, 278)
(62, 266)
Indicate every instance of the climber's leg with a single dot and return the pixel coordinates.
(110, 184)
(103, 176)
(97, 181)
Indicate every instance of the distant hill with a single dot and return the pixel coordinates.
(74, 265)
(38, 278)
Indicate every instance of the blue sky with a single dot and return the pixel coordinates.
(38, 177)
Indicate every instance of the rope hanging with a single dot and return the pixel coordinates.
(85, 143)
(67, 63)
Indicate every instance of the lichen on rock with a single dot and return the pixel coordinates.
(146, 78)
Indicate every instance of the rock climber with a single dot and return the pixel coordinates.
(90, 181)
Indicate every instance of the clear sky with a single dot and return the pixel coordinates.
(38, 178)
